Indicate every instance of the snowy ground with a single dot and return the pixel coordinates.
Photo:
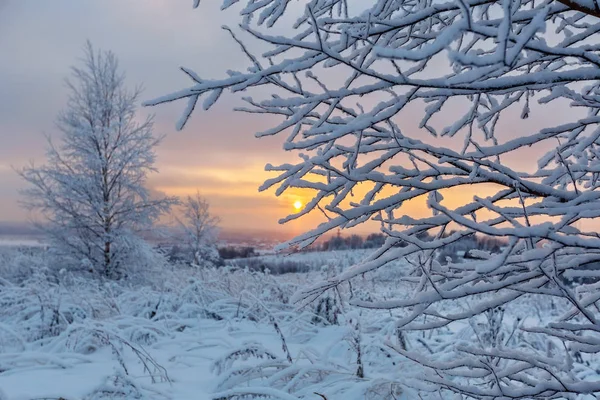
(221, 334)
(188, 335)
(187, 358)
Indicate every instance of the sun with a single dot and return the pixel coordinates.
(297, 204)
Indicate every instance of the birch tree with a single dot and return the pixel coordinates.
(92, 191)
(391, 103)
(199, 229)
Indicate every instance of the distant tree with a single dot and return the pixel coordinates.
(355, 242)
(396, 102)
(336, 242)
(200, 229)
(374, 240)
(231, 252)
(92, 191)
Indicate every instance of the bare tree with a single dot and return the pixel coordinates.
(92, 190)
(348, 83)
(200, 228)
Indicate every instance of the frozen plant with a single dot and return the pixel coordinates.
(327, 310)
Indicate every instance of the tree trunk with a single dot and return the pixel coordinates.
(107, 260)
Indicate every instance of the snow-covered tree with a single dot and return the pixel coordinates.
(200, 229)
(92, 191)
(392, 103)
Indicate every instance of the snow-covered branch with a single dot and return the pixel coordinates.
(396, 103)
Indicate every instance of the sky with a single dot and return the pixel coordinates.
(216, 154)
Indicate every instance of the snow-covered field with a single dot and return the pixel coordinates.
(222, 334)
(187, 335)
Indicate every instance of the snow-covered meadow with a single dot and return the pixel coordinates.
(182, 334)
(229, 333)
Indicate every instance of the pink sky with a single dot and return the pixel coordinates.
(217, 153)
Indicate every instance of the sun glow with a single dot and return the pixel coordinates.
(297, 204)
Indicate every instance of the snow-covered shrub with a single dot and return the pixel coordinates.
(121, 386)
(326, 310)
(20, 263)
(264, 375)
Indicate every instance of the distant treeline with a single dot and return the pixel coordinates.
(352, 242)
(231, 252)
(376, 240)
(12, 229)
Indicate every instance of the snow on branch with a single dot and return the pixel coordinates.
(389, 104)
